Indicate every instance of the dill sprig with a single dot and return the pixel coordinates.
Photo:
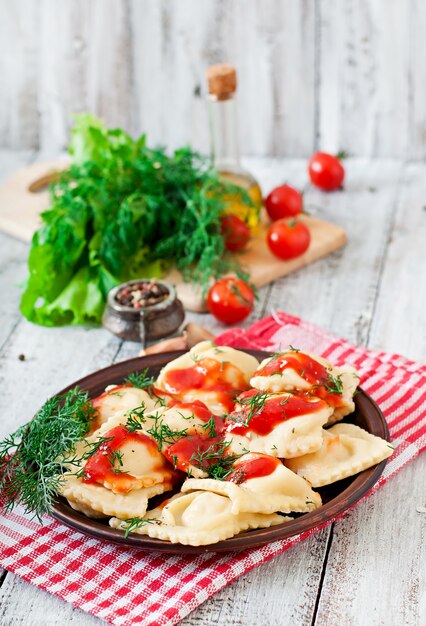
(162, 433)
(252, 406)
(141, 380)
(34, 458)
(210, 427)
(333, 384)
(115, 457)
(134, 523)
(215, 460)
(136, 418)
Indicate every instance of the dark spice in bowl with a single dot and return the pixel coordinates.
(140, 294)
(143, 310)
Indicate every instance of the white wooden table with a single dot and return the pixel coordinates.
(366, 569)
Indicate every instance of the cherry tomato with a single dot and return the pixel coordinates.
(230, 300)
(284, 201)
(235, 231)
(326, 171)
(288, 239)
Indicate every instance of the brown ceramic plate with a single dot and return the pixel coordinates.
(337, 497)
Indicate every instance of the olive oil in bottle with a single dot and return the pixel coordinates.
(222, 83)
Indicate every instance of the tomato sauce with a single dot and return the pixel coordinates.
(308, 368)
(274, 411)
(100, 467)
(197, 450)
(262, 465)
(207, 375)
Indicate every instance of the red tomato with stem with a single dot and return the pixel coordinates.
(235, 232)
(288, 239)
(284, 201)
(230, 300)
(326, 171)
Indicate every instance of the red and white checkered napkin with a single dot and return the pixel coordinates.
(128, 586)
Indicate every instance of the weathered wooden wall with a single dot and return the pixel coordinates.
(336, 74)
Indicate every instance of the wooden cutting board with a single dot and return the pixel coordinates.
(24, 196)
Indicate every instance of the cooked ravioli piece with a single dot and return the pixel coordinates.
(214, 375)
(181, 420)
(124, 461)
(96, 501)
(305, 372)
(260, 484)
(197, 519)
(281, 425)
(120, 399)
(346, 450)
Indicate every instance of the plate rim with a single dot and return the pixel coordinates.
(337, 506)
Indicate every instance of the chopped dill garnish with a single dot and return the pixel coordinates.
(116, 460)
(215, 460)
(134, 523)
(163, 434)
(141, 380)
(293, 349)
(210, 427)
(34, 458)
(333, 384)
(136, 418)
(254, 404)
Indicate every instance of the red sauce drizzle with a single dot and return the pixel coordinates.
(188, 450)
(310, 370)
(257, 467)
(275, 411)
(98, 468)
(200, 410)
(208, 375)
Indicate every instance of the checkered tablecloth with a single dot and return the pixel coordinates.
(128, 586)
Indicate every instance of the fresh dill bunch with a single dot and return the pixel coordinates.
(33, 459)
(141, 380)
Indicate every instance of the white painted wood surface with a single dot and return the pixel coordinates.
(369, 567)
(312, 73)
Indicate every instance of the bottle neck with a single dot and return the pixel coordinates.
(224, 134)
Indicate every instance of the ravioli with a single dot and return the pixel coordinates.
(301, 371)
(281, 425)
(212, 374)
(125, 460)
(96, 501)
(346, 450)
(198, 518)
(260, 484)
(120, 399)
(181, 420)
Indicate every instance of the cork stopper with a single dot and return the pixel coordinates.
(222, 81)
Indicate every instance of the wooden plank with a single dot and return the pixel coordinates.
(273, 50)
(19, 70)
(12, 253)
(364, 90)
(389, 588)
(399, 322)
(86, 66)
